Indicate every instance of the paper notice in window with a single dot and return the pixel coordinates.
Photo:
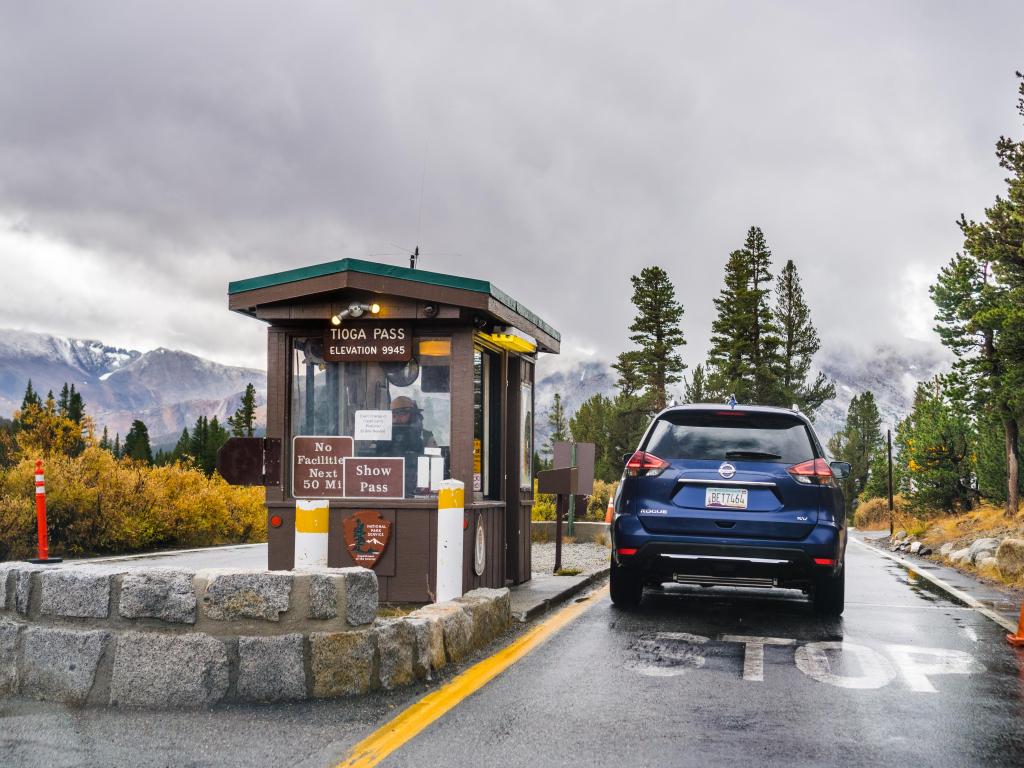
(436, 472)
(422, 471)
(373, 425)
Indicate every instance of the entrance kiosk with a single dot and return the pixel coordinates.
(382, 383)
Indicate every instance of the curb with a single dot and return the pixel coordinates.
(547, 604)
(949, 589)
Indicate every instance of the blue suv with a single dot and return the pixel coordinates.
(730, 496)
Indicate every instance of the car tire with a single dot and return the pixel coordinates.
(626, 587)
(829, 594)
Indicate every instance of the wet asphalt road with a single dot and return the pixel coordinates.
(908, 679)
(905, 678)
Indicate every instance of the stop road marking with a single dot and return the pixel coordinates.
(821, 661)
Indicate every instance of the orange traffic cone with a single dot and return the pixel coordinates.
(1017, 641)
(610, 511)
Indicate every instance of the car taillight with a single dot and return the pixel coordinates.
(813, 472)
(643, 464)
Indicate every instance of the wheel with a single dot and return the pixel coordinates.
(626, 587)
(829, 594)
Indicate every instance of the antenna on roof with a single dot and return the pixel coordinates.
(414, 257)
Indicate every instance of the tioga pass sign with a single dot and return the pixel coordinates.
(378, 341)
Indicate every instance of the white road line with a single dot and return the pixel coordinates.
(949, 588)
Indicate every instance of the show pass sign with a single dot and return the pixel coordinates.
(324, 468)
(367, 342)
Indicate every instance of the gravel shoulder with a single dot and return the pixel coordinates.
(586, 557)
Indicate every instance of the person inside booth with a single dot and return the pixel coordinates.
(407, 432)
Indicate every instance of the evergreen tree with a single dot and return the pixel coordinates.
(136, 444)
(696, 389)
(105, 440)
(936, 448)
(744, 355)
(656, 331)
(76, 406)
(972, 310)
(31, 397)
(799, 344)
(117, 446)
(216, 437)
(858, 443)
(614, 426)
(183, 446)
(63, 404)
(558, 425)
(243, 422)
(199, 439)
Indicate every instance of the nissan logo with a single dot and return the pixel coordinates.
(727, 470)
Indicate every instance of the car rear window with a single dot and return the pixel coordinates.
(730, 435)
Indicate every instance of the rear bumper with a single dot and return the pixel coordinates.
(720, 560)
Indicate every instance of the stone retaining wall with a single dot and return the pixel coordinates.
(161, 637)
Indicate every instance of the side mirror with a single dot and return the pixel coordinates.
(841, 469)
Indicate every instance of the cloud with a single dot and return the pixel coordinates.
(162, 150)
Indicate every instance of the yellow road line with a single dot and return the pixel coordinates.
(392, 735)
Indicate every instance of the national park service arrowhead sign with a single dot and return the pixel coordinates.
(366, 536)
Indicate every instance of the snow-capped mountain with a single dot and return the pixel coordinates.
(891, 372)
(167, 389)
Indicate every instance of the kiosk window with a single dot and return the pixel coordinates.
(486, 424)
(397, 414)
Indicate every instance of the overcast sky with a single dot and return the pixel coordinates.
(151, 152)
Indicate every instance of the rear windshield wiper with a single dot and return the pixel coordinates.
(751, 455)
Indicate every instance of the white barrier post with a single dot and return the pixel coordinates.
(311, 517)
(450, 514)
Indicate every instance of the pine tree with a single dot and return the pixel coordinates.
(216, 437)
(800, 342)
(63, 404)
(744, 355)
(656, 331)
(117, 446)
(76, 406)
(183, 446)
(31, 397)
(105, 440)
(199, 439)
(243, 422)
(858, 442)
(558, 425)
(696, 389)
(972, 309)
(136, 444)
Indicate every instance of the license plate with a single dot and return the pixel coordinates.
(725, 498)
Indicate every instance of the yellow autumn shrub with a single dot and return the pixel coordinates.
(97, 504)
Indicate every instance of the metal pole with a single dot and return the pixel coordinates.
(888, 442)
(560, 505)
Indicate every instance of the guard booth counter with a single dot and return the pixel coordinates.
(383, 382)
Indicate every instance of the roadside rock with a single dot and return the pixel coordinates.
(253, 595)
(900, 535)
(75, 593)
(924, 550)
(456, 624)
(342, 662)
(490, 610)
(396, 643)
(960, 556)
(167, 595)
(914, 548)
(429, 646)
(60, 664)
(323, 597)
(982, 548)
(987, 562)
(946, 548)
(362, 595)
(8, 656)
(163, 670)
(271, 668)
(1010, 558)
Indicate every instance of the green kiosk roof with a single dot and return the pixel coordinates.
(394, 272)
